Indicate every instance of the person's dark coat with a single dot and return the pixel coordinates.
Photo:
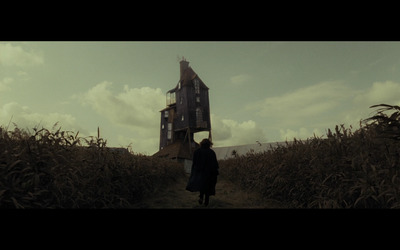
(204, 172)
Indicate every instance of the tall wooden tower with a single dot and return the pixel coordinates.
(187, 112)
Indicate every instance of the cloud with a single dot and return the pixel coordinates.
(387, 92)
(139, 110)
(296, 114)
(380, 92)
(314, 109)
(302, 104)
(133, 107)
(11, 55)
(240, 79)
(228, 132)
(221, 129)
(25, 118)
(5, 83)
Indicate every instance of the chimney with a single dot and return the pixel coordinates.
(183, 66)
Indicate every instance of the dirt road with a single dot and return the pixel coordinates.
(227, 196)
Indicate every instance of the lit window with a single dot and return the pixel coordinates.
(162, 126)
(183, 118)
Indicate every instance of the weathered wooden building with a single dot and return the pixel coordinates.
(187, 112)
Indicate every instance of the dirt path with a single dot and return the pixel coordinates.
(227, 196)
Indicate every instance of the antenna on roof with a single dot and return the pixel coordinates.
(180, 58)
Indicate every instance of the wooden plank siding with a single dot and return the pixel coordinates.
(189, 112)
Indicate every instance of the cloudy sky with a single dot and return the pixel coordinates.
(263, 91)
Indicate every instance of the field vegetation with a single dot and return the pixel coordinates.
(347, 169)
(58, 169)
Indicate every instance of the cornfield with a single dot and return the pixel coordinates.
(58, 169)
(347, 169)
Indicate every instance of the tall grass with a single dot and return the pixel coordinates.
(58, 169)
(348, 169)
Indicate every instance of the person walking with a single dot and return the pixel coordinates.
(204, 172)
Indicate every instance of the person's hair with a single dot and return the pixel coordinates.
(206, 143)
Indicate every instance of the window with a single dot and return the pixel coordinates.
(199, 119)
(197, 98)
(171, 98)
(169, 133)
(162, 126)
(179, 85)
(181, 100)
(166, 114)
(196, 85)
(199, 115)
(183, 118)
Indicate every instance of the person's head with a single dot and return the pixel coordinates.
(206, 143)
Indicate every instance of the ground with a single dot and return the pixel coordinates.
(228, 195)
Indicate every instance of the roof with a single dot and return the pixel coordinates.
(187, 76)
(178, 149)
(167, 108)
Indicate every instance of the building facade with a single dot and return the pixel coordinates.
(187, 112)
